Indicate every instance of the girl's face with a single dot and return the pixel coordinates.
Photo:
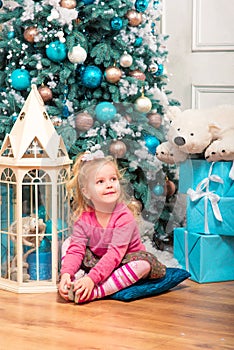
(103, 188)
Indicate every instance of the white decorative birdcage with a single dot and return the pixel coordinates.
(34, 207)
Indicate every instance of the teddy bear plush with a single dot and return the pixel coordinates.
(199, 131)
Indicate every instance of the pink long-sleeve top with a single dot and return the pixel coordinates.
(111, 244)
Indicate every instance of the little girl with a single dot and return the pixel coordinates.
(105, 241)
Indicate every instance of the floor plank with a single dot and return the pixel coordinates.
(190, 316)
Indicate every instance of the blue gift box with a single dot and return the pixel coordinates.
(193, 171)
(201, 217)
(209, 258)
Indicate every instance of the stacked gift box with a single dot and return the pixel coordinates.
(205, 247)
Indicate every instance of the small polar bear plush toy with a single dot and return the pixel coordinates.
(199, 131)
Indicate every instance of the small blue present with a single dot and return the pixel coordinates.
(207, 213)
(218, 176)
(208, 258)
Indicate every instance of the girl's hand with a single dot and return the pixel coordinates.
(64, 285)
(83, 288)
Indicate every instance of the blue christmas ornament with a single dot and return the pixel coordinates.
(1, 4)
(14, 117)
(141, 5)
(151, 143)
(91, 77)
(156, 3)
(116, 23)
(158, 190)
(138, 42)
(56, 51)
(105, 111)
(160, 70)
(11, 34)
(87, 2)
(66, 112)
(20, 79)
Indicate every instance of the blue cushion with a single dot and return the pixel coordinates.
(151, 287)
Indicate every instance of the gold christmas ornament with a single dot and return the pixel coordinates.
(118, 149)
(84, 121)
(46, 93)
(113, 74)
(77, 55)
(155, 120)
(143, 104)
(134, 18)
(30, 33)
(170, 188)
(68, 4)
(138, 74)
(125, 60)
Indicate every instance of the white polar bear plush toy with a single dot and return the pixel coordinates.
(198, 131)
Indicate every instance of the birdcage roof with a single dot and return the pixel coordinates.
(33, 135)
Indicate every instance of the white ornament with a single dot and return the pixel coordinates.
(143, 104)
(126, 60)
(77, 54)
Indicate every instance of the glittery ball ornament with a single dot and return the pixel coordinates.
(116, 23)
(160, 70)
(77, 55)
(170, 188)
(113, 74)
(46, 93)
(125, 60)
(138, 42)
(158, 190)
(30, 33)
(11, 34)
(155, 120)
(105, 111)
(20, 79)
(151, 143)
(134, 18)
(56, 51)
(138, 74)
(141, 5)
(143, 104)
(91, 77)
(68, 4)
(84, 121)
(118, 149)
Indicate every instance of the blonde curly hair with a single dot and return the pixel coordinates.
(78, 180)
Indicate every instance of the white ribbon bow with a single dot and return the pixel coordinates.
(202, 191)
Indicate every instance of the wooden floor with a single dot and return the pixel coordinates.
(190, 316)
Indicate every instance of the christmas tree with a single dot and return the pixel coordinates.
(100, 69)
